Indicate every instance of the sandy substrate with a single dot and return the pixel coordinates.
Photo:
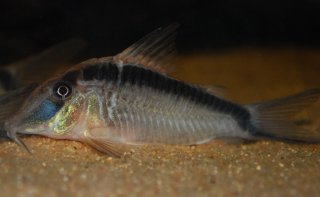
(266, 168)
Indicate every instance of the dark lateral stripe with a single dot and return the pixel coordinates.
(71, 76)
(101, 71)
(105, 71)
(134, 75)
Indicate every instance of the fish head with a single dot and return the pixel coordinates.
(52, 110)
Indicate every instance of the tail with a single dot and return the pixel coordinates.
(275, 119)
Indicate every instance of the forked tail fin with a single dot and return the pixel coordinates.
(274, 119)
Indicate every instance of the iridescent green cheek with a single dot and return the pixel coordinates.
(67, 116)
(93, 111)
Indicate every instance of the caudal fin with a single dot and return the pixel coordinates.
(275, 119)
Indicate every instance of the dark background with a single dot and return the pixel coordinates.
(29, 26)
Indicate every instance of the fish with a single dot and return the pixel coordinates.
(20, 73)
(128, 100)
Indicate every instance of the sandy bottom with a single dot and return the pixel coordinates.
(265, 168)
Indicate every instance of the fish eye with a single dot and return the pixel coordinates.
(62, 90)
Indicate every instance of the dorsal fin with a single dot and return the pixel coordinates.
(217, 90)
(154, 51)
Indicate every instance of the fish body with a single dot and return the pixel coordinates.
(127, 100)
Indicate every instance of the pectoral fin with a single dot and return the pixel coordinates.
(105, 145)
